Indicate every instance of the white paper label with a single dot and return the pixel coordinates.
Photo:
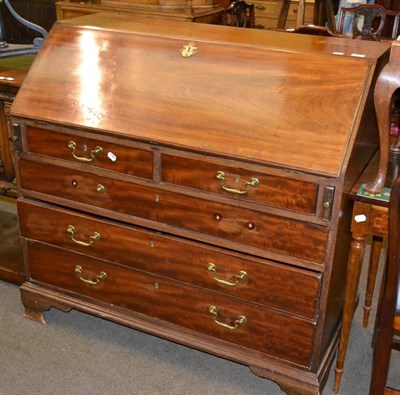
(360, 218)
(111, 156)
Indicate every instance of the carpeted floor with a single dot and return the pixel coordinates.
(77, 354)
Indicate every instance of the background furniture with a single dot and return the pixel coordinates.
(322, 8)
(371, 202)
(15, 62)
(392, 5)
(267, 13)
(205, 11)
(314, 30)
(12, 73)
(388, 320)
(372, 17)
(203, 210)
(238, 14)
(40, 12)
(369, 220)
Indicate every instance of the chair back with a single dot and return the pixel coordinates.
(239, 14)
(385, 88)
(369, 21)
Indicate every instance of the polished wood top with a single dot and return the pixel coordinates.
(268, 97)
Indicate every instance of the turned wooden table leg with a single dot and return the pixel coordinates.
(352, 281)
(376, 247)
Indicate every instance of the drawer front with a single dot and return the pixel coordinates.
(127, 160)
(266, 9)
(266, 23)
(253, 327)
(247, 227)
(259, 281)
(241, 184)
(308, 13)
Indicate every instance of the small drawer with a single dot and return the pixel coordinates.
(260, 281)
(265, 9)
(241, 184)
(266, 23)
(267, 331)
(244, 227)
(128, 160)
(308, 12)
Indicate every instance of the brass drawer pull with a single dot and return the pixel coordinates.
(100, 188)
(102, 276)
(94, 237)
(240, 320)
(93, 153)
(260, 7)
(253, 183)
(241, 276)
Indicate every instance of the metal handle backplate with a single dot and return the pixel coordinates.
(253, 183)
(102, 276)
(96, 151)
(240, 320)
(241, 276)
(94, 237)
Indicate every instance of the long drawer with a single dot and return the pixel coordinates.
(259, 281)
(243, 226)
(267, 331)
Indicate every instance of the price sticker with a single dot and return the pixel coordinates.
(112, 156)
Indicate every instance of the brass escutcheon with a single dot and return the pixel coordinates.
(189, 50)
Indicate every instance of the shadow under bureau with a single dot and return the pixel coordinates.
(191, 181)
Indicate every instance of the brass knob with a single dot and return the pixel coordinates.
(218, 216)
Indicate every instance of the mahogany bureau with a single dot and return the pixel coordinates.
(191, 181)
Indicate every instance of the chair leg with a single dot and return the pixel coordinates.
(382, 350)
(301, 10)
(376, 247)
(330, 17)
(283, 15)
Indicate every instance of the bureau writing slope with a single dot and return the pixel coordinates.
(191, 181)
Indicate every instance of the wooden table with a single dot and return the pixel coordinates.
(12, 72)
(370, 219)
